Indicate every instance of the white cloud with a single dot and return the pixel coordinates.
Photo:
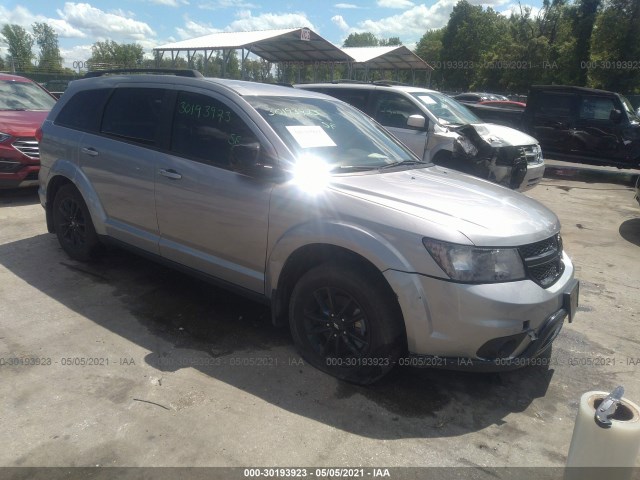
(346, 5)
(97, 23)
(78, 53)
(23, 17)
(395, 3)
(247, 22)
(518, 9)
(411, 24)
(170, 3)
(221, 4)
(193, 29)
(339, 21)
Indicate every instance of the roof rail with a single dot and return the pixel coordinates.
(346, 80)
(161, 71)
(389, 83)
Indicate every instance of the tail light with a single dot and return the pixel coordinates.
(39, 134)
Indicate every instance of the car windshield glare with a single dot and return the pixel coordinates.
(329, 131)
(446, 109)
(23, 96)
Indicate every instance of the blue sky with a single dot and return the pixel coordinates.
(151, 23)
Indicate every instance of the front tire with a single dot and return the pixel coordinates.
(346, 322)
(73, 226)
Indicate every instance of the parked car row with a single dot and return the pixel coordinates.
(369, 253)
(438, 129)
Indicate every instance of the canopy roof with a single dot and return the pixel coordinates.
(284, 45)
(387, 58)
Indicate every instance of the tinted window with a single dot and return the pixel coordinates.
(205, 129)
(393, 110)
(596, 108)
(357, 98)
(134, 114)
(83, 111)
(554, 105)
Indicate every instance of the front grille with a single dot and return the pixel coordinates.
(543, 260)
(10, 166)
(28, 147)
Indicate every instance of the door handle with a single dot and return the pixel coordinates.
(90, 151)
(172, 174)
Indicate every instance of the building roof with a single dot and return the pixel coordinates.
(394, 57)
(282, 45)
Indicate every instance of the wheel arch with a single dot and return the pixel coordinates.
(284, 270)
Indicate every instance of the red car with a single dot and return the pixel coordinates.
(23, 107)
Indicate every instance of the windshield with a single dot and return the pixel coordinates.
(24, 96)
(447, 110)
(629, 108)
(331, 131)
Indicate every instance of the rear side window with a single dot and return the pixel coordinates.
(557, 106)
(83, 111)
(134, 114)
(357, 98)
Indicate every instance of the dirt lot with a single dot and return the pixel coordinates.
(142, 366)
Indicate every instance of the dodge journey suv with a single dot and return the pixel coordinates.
(372, 257)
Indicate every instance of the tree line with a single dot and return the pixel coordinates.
(592, 43)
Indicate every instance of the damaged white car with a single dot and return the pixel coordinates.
(439, 129)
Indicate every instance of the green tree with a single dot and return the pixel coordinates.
(47, 40)
(110, 54)
(584, 18)
(469, 34)
(429, 48)
(365, 39)
(390, 42)
(20, 45)
(615, 48)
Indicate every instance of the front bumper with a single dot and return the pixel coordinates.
(490, 325)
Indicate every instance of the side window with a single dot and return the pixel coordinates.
(134, 114)
(83, 111)
(357, 98)
(554, 106)
(596, 108)
(206, 129)
(393, 110)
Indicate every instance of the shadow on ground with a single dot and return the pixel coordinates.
(184, 322)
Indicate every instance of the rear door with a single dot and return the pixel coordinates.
(553, 121)
(120, 162)
(212, 218)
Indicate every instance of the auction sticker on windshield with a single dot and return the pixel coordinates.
(310, 136)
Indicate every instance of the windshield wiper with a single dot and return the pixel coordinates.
(402, 163)
(353, 168)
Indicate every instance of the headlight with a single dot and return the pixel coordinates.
(465, 263)
(4, 136)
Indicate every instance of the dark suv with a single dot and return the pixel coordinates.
(23, 107)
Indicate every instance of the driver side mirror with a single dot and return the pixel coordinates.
(248, 159)
(615, 116)
(416, 121)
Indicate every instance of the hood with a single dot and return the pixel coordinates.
(501, 136)
(485, 213)
(21, 123)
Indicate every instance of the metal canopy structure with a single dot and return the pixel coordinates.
(300, 46)
(394, 58)
(284, 45)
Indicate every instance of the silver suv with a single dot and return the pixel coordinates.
(371, 256)
(441, 130)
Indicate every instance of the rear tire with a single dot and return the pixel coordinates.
(73, 226)
(346, 322)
